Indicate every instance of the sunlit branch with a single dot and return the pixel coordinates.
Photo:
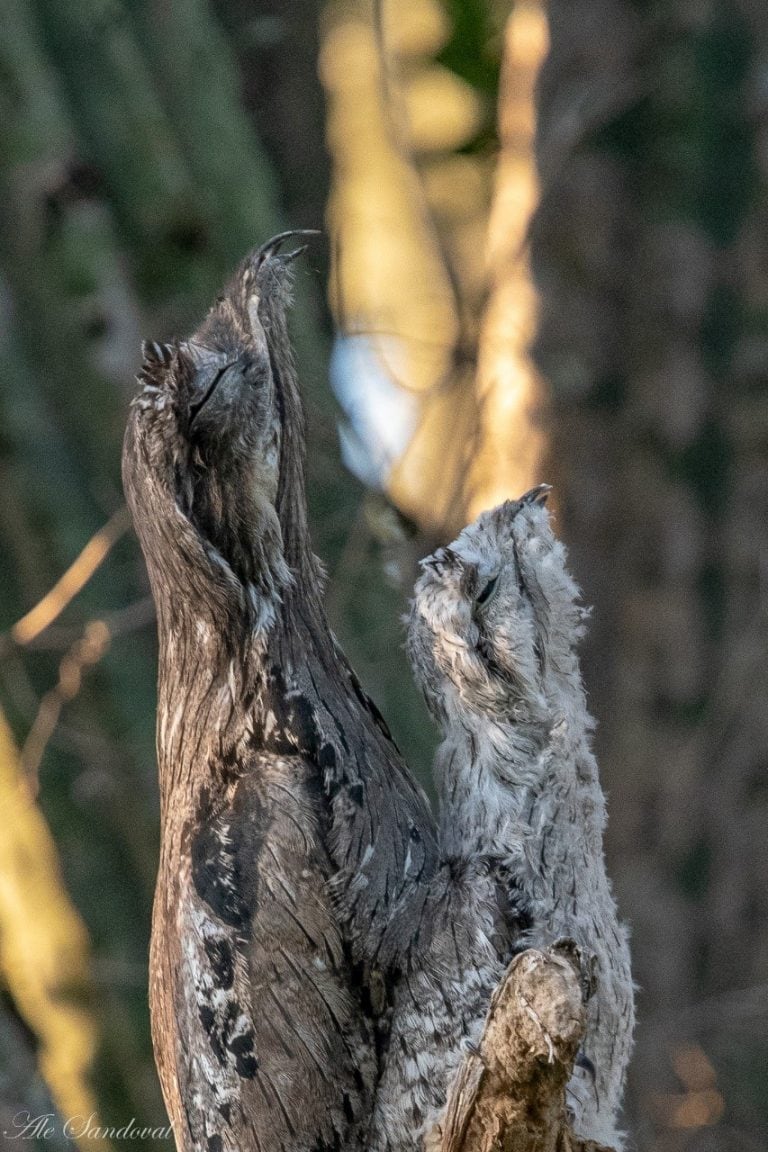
(43, 944)
(73, 581)
(85, 652)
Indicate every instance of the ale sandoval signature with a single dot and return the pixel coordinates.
(49, 1126)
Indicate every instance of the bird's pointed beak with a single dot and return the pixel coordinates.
(235, 316)
(289, 257)
(537, 495)
(273, 246)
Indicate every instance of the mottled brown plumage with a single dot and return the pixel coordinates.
(291, 830)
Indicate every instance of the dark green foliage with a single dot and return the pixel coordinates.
(474, 52)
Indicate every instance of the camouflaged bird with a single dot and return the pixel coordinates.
(492, 638)
(290, 828)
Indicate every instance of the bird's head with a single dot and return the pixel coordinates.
(207, 438)
(494, 613)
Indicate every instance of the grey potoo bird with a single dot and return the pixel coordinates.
(492, 639)
(290, 829)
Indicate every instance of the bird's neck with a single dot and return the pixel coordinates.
(235, 583)
(230, 686)
(506, 786)
(208, 680)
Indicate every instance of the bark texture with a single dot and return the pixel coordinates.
(509, 1095)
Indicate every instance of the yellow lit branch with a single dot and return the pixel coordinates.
(390, 273)
(43, 944)
(509, 389)
(85, 652)
(74, 579)
(394, 116)
(418, 259)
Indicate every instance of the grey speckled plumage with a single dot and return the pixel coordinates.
(492, 640)
(290, 829)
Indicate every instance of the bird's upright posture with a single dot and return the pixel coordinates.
(290, 828)
(492, 640)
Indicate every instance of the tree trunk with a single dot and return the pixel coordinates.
(652, 269)
(509, 1095)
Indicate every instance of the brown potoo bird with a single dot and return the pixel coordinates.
(290, 828)
(492, 639)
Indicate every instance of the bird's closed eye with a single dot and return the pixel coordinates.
(197, 405)
(485, 593)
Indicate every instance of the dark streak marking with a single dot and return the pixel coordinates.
(241, 1048)
(291, 1024)
(370, 707)
(326, 757)
(222, 961)
(216, 879)
(304, 724)
(356, 793)
(280, 1104)
(210, 1024)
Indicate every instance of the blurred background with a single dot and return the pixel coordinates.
(546, 258)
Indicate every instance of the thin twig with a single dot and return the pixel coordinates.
(73, 581)
(86, 651)
(120, 622)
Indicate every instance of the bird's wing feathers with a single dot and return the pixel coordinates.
(276, 1053)
(464, 934)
